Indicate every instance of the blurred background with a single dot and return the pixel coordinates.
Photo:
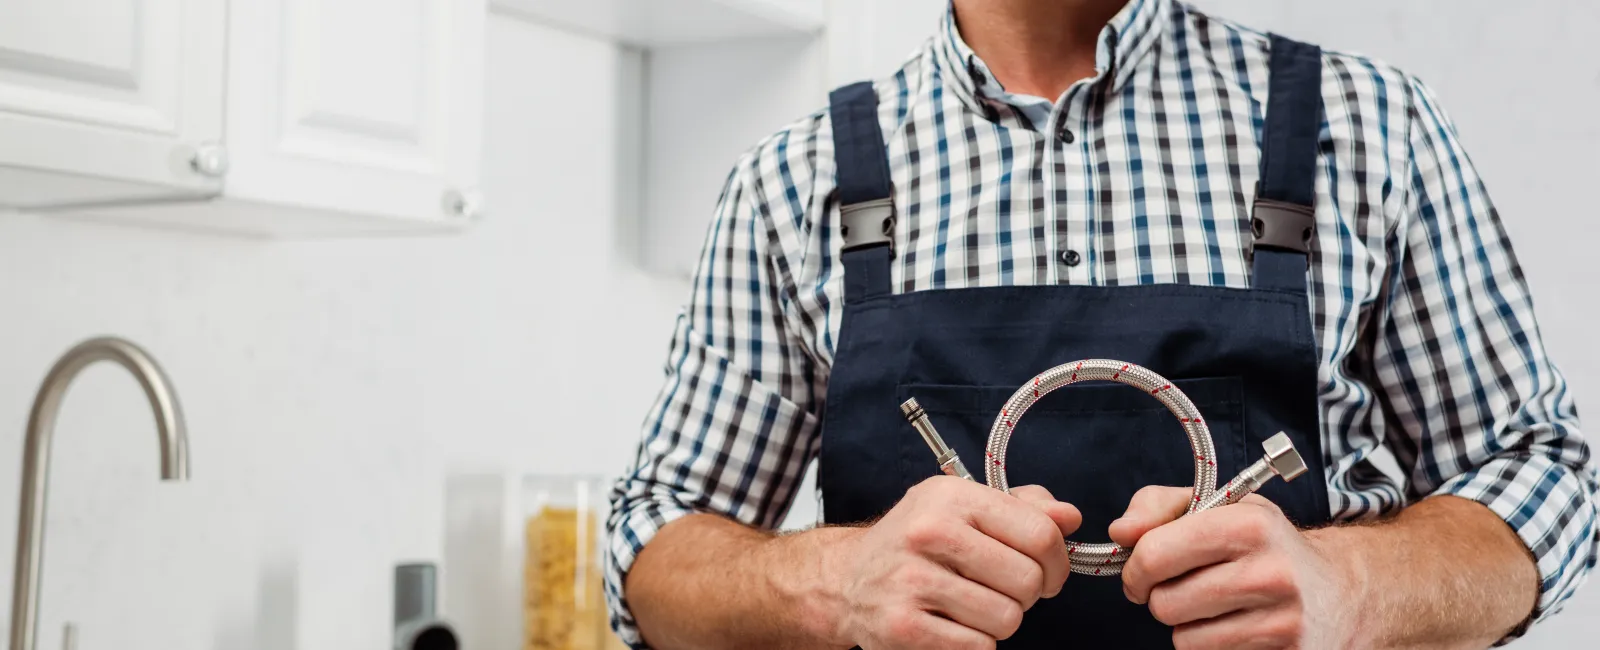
(400, 257)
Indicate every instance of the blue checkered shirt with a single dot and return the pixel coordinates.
(1432, 375)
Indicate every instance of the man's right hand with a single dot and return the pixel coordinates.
(953, 565)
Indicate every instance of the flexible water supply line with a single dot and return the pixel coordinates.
(1107, 558)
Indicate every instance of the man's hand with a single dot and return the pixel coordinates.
(953, 565)
(1239, 576)
(1442, 573)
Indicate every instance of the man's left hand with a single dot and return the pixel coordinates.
(1239, 576)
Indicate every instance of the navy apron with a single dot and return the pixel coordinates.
(1244, 356)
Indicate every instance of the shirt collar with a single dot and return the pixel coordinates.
(1123, 41)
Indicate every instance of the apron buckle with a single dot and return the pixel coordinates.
(867, 223)
(1279, 224)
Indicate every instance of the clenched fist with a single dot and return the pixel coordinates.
(953, 565)
(1239, 576)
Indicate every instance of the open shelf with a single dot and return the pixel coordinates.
(654, 23)
(704, 80)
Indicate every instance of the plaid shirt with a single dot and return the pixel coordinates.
(1432, 380)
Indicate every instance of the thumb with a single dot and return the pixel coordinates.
(1065, 515)
(1152, 506)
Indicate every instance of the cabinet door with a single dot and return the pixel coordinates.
(105, 100)
(362, 107)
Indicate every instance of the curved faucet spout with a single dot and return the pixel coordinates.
(36, 461)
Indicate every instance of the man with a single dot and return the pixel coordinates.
(1295, 237)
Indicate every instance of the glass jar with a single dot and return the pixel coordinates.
(564, 604)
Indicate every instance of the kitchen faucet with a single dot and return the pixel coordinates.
(36, 462)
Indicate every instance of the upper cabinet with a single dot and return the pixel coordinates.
(366, 109)
(274, 117)
(107, 100)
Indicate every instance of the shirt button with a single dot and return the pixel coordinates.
(1071, 257)
(1067, 135)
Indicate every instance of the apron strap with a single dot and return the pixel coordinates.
(866, 199)
(1283, 217)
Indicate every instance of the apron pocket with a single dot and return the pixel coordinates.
(1092, 445)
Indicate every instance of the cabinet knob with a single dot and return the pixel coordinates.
(463, 204)
(210, 159)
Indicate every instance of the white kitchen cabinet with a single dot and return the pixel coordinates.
(312, 117)
(368, 110)
(105, 100)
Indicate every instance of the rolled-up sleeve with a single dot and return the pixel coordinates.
(1483, 413)
(732, 430)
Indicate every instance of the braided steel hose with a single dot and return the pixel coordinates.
(1107, 558)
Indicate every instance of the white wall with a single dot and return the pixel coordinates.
(868, 39)
(708, 104)
(329, 386)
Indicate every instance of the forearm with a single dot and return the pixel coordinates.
(708, 582)
(1445, 573)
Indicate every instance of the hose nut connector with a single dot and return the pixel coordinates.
(1282, 457)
